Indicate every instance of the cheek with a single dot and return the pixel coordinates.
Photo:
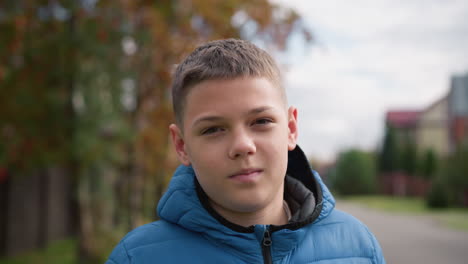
(277, 141)
(196, 152)
(276, 149)
(205, 160)
(210, 151)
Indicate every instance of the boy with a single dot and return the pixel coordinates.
(245, 192)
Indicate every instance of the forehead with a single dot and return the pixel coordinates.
(232, 97)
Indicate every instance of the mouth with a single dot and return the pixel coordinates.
(246, 175)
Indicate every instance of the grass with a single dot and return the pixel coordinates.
(392, 204)
(455, 218)
(60, 252)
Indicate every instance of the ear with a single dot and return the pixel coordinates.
(179, 144)
(292, 127)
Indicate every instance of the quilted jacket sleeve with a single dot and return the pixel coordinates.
(378, 254)
(119, 255)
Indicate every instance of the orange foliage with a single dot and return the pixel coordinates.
(172, 33)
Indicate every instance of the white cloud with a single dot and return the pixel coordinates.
(372, 56)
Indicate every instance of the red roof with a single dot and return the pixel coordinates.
(402, 119)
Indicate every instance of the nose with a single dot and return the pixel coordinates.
(242, 145)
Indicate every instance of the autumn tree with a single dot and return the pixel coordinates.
(85, 86)
(37, 119)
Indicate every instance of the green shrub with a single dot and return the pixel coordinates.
(451, 183)
(438, 196)
(355, 173)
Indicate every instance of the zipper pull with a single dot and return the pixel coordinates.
(267, 238)
(266, 247)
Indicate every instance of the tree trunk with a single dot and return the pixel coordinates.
(136, 196)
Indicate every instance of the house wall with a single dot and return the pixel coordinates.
(433, 129)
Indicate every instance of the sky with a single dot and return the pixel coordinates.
(370, 56)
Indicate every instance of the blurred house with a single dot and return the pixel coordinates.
(404, 123)
(439, 128)
(444, 124)
(432, 129)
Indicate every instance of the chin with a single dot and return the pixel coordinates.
(250, 206)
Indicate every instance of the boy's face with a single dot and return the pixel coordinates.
(237, 134)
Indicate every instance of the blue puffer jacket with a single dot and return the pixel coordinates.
(190, 231)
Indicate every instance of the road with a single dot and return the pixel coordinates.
(412, 239)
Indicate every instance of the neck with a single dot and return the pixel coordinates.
(272, 214)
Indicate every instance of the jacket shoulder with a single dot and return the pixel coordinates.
(149, 236)
(342, 236)
(169, 243)
(156, 232)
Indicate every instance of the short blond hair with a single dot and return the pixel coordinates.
(225, 59)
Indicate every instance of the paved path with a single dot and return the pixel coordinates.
(412, 239)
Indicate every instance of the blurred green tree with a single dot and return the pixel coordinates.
(455, 175)
(388, 159)
(355, 173)
(36, 77)
(409, 158)
(428, 164)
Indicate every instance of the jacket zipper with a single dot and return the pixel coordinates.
(266, 247)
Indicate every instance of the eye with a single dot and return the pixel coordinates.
(263, 121)
(211, 130)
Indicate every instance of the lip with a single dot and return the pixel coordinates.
(246, 175)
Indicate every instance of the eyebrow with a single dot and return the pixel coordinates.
(214, 118)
